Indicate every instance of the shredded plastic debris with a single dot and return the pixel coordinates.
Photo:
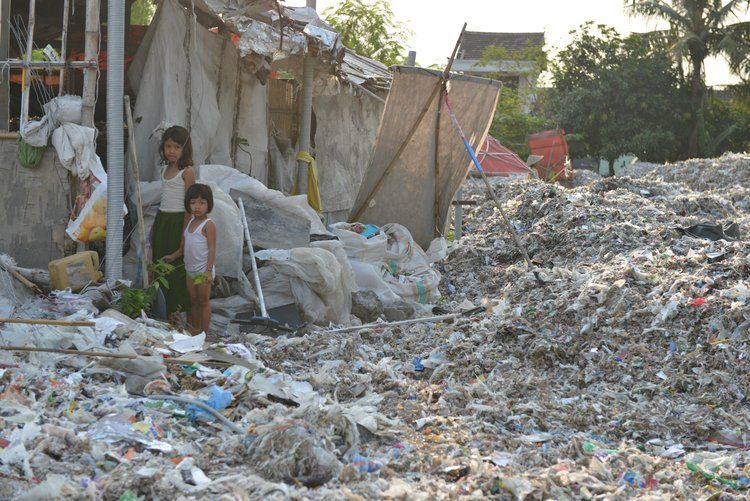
(623, 375)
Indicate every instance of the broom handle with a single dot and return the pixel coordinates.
(258, 289)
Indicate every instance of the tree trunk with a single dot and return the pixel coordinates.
(696, 107)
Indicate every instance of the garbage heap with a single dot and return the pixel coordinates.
(617, 370)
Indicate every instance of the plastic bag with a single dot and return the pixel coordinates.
(36, 132)
(27, 155)
(91, 223)
(368, 250)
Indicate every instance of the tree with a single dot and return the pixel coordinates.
(699, 29)
(142, 11)
(370, 29)
(617, 95)
(512, 122)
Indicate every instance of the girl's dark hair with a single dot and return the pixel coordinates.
(181, 136)
(199, 191)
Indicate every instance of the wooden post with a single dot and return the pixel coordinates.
(4, 77)
(137, 178)
(458, 213)
(25, 88)
(91, 53)
(438, 231)
(64, 48)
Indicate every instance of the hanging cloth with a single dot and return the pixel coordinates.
(313, 194)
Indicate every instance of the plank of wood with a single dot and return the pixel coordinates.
(44, 321)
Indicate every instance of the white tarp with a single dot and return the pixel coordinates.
(185, 75)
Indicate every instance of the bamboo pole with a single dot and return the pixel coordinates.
(64, 48)
(21, 278)
(44, 321)
(4, 79)
(20, 63)
(68, 352)
(91, 54)
(25, 94)
(137, 178)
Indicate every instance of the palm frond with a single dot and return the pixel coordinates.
(657, 9)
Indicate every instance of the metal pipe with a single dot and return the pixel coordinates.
(312, 4)
(256, 276)
(308, 74)
(412, 58)
(458, 214)
(115, 140)
(374, 325)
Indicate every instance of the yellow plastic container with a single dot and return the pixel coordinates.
(75, 271)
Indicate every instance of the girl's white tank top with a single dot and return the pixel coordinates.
(196, 248)
(172, 193)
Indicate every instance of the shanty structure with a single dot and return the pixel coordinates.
(236, 78)
(233, 72)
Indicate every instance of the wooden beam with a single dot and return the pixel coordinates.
(64, 47)
(44, 321)
(137, 179)
(91, 53)
(26, 88)
(4, 47)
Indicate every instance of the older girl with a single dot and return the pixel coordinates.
(177, 176)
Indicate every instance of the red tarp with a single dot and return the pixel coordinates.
(497, 160)
(552, 147)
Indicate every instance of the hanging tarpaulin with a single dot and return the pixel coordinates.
(417, 160)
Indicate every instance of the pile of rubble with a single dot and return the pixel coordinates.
(618, 369)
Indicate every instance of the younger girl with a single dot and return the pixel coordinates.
(199, 249)
(177, 176)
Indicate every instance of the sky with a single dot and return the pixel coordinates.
(436, 24)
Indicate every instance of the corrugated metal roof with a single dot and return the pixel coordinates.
(259, 30)
(474, 43)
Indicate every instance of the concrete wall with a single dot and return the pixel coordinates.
(34, 210)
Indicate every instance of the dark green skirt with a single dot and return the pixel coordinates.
(167, 236)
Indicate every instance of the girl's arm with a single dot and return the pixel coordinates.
(210, 232)
(176, 254)
(188, 176)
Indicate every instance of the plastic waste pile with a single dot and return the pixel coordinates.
(622, 374)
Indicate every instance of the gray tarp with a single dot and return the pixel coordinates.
(185, 75)
(345, 135)
(407, 193)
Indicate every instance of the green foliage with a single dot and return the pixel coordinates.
(618, 95)
(699, 29)
(135, 300)
(370, 29)
(200, 278)
(142, 11)
(511, 124)
(515, 61)
(727, 126)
